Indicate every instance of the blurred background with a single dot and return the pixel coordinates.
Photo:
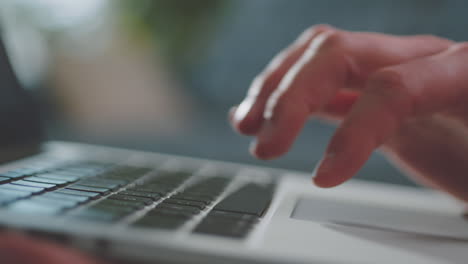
(161, 75)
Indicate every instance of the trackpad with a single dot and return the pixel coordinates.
(400, 219)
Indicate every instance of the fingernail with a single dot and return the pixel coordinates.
(253, 148)
(314, 172)
(323, 166)
(258, 152)
(243, 109)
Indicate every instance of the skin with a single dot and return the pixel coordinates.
(405, 95)
(19, 249)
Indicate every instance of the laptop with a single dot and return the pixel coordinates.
(142, 207)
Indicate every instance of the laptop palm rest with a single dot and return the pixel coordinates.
(395, 219)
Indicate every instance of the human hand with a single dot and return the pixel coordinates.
(18, 249)
(406, 95)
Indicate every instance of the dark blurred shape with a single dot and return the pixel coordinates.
(20, 130)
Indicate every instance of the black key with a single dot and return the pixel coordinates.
(46, 180)
(170, 212)
(172, 178)
(96, 215)
(27, 206)
(153, 196)
(121, 177)
(13, 174)
(115, 209)
(224, 227)
(15, 193)
(78, 187)
(161, 185)
(212, 186)
(92, 195)
(101, 212)
(160, 191)
(46, 186)
(249, 199)
(65, 204)
(208, 196)
(199, 205)
(126, 173)
(173, 175)
(199, 198)
(212, 191)
(233, 216)
(146, 201)
(102, 183)
(122, 181)
(159, 221)
(4, 179)
(32, 190)
(63, 196)
(83, 170)
(121, 203)
(86, 169)
(71, 173)
(174, 207)
(69, 179)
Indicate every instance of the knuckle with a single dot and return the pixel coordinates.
(310, 33)
(332, 40)
(315, 29)
(387, 81)
(319, 28)
(461, 47)
(388, 85)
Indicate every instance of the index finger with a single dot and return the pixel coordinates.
(248, 116)
(395, 95)
(334, 60)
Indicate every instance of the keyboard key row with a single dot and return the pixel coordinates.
(103, 183)
(236, 214)
(57, 182)
(151, 195)
(167, 216)
(21, 188)
(130, 198)
(78, 187)
(46, 186)
(114, 208)
(61, 189)
(231, 226)
(252, 199)
(35, 207)
(182, 206)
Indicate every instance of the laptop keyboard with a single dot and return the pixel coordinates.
(124, 194)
